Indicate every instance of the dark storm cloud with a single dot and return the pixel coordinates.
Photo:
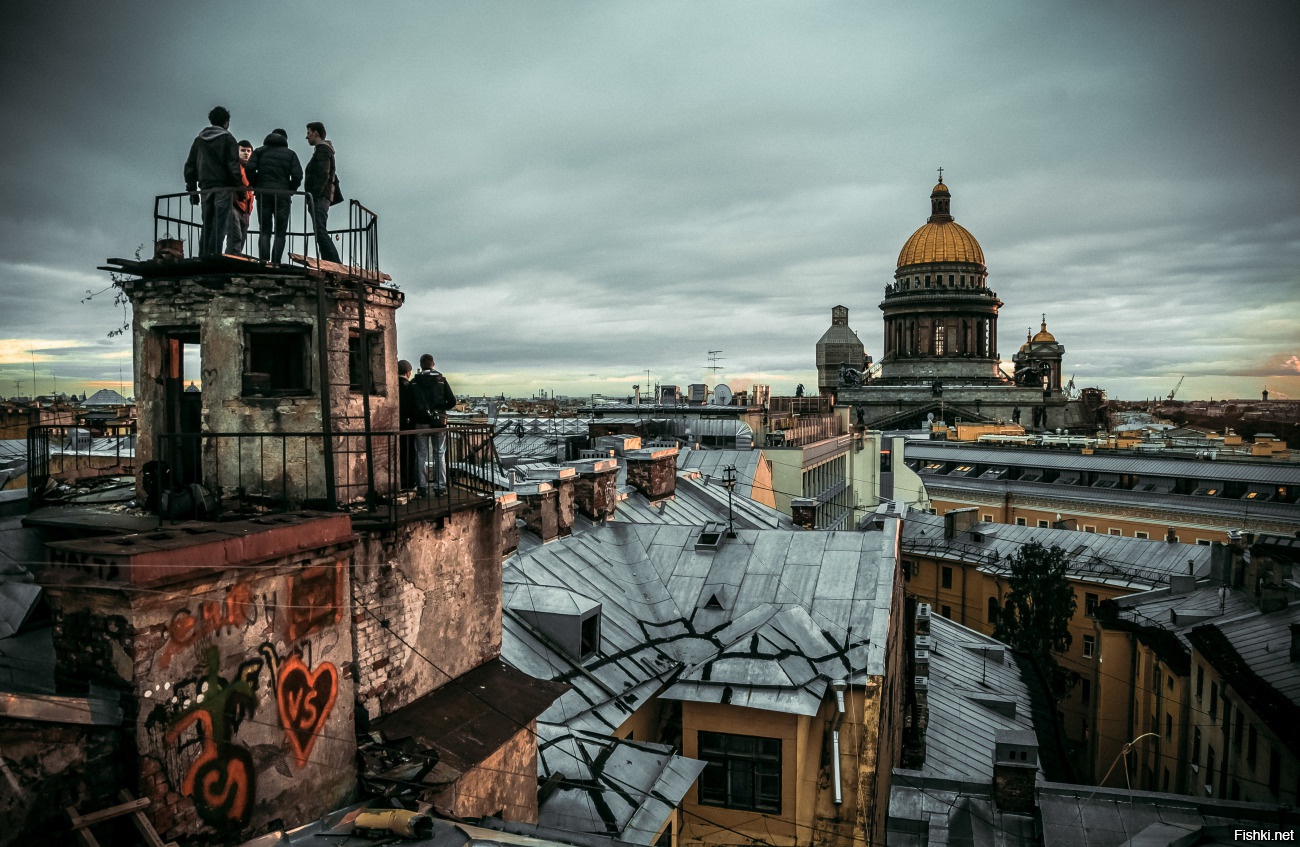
(604, 188)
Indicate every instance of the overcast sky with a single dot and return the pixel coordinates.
(570, 194)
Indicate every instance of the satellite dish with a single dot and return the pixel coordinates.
(721, 395)
(930, 417)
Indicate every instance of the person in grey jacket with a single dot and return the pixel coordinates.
(273, 166)
(213, 163)
(318, 181)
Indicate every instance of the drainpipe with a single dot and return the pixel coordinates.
(364, 344)
(326, 418)
(835, 741)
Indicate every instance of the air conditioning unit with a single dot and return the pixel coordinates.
(922, 657)
(921, 683)
(922, 611)
(924, 642)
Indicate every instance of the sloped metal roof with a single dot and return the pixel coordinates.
(1270, 472)
(655, 587)
(1112, 559)
(713, 464)
(968, 671)
(611, 786)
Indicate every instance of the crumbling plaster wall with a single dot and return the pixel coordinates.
(427, 607)
(504, 784)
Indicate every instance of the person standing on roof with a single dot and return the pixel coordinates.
(243, 201)
(213, 165)
(435, 397)
(274, 170)
(318, 181)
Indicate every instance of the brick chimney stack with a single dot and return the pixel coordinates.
(1015, 769)
(653, 471)
(595, 487)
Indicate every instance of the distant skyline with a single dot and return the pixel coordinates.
(571, 194)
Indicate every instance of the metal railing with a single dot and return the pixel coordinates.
(67, 453)
(373, 476)
(177, 218)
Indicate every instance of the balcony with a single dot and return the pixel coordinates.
(237, 475)
(178, 227)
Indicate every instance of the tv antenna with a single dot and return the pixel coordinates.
(714, 358)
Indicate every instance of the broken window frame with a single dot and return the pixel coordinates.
(287, 364)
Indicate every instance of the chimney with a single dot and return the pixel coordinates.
(958, 521)
(595, 487)
(540, 509)
(653, 472)
(1171, 536)
(1015, 767)
(804, 512)
(562, 479)
(508, 506)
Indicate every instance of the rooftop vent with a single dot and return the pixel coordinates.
(711, 536)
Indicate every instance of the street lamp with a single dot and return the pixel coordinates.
(729, 480)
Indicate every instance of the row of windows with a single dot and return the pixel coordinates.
(924, 282)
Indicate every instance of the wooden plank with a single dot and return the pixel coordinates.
(78, 826)
(142, 823)
(108, 814)
(335, 267)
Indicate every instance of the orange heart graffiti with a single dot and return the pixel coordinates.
(305, 698)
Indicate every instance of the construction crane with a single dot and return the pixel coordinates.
(1176, 387)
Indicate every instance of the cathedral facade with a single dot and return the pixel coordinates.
(940, 358)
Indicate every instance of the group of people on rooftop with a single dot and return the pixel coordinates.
(423, 402)
(224, 177)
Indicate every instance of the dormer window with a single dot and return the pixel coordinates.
(566, 619)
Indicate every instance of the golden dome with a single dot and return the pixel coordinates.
(941, 241)
(1043, 334)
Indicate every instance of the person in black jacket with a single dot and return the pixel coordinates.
(273, 169)
(318, 181)
(213, 163)
(434, 397)
(409, 413)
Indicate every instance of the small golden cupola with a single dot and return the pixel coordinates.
(1043, 334)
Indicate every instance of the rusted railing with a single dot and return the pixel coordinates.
(376, 475)
(177, 218)
(67, 453)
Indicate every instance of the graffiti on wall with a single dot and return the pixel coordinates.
(221, 781)
(315, 600)
(242, 692)
(238, 609)
(305, 698)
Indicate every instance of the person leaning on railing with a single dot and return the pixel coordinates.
(274, 168)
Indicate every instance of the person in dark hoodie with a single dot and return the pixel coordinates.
(318, 181)
(273, 166)
(213, 163)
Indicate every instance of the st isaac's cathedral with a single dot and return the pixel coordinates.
(940, 352)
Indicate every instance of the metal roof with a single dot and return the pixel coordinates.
(974, 684)
(1264, 643)
(1273, 473)
(667, 606)
(1190, 503)
(610, 786)
(1110, 559)
(713, 464)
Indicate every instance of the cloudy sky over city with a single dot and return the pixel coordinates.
(573, 194)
